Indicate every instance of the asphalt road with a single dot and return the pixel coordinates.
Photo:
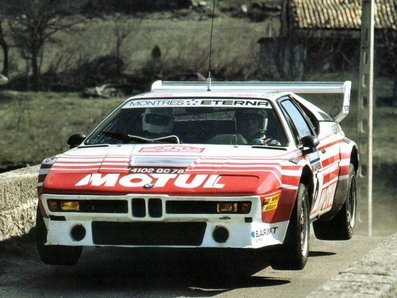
(106, 272)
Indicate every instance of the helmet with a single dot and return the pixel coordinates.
(158, 120)
(243, 116)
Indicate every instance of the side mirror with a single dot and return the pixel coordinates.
(309, 142)
(76, 139)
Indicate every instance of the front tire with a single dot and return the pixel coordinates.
(293, 254)
(341, 227)
(54, 254)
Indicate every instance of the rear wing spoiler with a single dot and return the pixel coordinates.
(295, 87)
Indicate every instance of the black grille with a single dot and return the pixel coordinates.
(190, 207)
(93, 206)
(104, 206)
(138, 208)
(148, 233)
(201, 207)
(155, 208)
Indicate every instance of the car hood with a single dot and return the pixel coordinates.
(167, 169)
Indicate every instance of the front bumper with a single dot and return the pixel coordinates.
(127, 228)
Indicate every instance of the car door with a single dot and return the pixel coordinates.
(329, 151)
(302, 126)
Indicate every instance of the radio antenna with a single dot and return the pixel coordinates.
(210, 56)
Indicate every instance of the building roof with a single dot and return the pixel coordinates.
(341, 14)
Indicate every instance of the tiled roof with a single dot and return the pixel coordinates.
(341, 14)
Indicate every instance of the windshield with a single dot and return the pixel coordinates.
(194, 121)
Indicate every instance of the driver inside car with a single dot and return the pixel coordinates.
(252, 125)
(157, 122)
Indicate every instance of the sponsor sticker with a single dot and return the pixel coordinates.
(264, 232)
(188, 181)
(314, 159)
(143, 103)
(189, 149)
(295, 160)
(270, 203)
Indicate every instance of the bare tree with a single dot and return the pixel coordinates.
(36, 23)
(123, 28)
(5, 48)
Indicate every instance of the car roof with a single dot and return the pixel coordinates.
(270, 95)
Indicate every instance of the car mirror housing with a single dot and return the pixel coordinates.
(310, 141)
(75, 140)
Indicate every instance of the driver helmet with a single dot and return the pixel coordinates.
(243, 116)
(158, 120)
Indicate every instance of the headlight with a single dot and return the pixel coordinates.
(70, 206)
(233, 207)
(226, 207)
(88, 206)
(61, 205)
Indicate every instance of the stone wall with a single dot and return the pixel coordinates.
(18, 200)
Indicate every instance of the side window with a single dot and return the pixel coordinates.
(297, 119)
(311, 118)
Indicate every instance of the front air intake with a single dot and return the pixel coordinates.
(148, 233)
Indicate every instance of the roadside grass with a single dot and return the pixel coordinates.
(37, 125)
(184, 42)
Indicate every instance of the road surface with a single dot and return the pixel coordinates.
(109, 272)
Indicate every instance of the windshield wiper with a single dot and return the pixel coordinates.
(269, 147)
(169, 139)
(125, 137)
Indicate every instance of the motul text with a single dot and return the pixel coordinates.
(156, 180)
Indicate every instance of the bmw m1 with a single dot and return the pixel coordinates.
(245, 165)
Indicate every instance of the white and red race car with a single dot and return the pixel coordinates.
(194, 165)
